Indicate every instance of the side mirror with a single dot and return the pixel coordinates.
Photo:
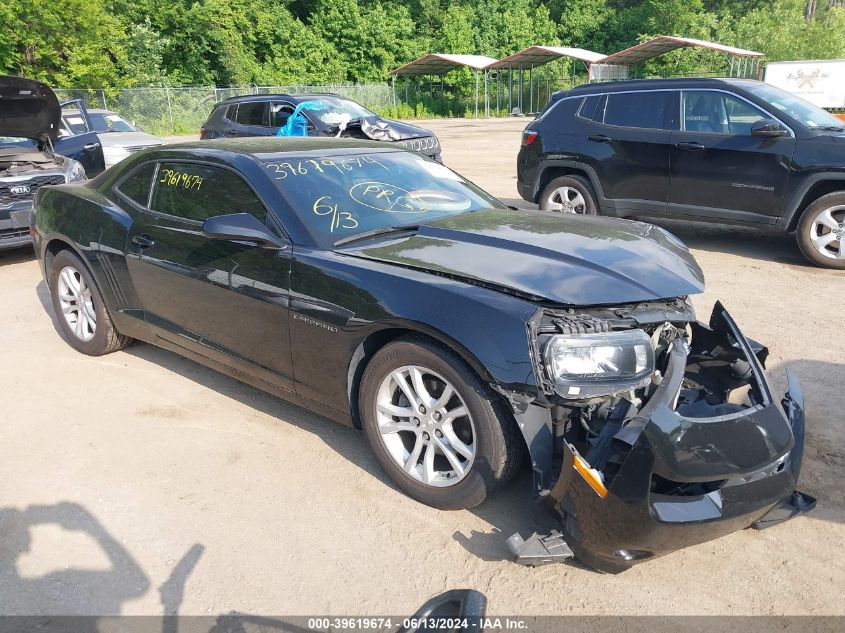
(454, 604)
(768, 128)
(240, 227)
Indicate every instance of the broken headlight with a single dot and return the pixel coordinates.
(588, 365)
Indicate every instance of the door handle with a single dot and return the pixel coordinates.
(143, 241)
(600, 138)
(91, 146)
(690, 147)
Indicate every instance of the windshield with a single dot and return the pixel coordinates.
(800, 110)
(17, 141)
(338, 196)
(337, 110)
(102, 121)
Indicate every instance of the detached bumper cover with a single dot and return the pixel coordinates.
(752, 459)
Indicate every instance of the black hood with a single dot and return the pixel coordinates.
(28, 109)
(567, 259)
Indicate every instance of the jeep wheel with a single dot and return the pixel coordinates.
(821, 231)
(569, 194)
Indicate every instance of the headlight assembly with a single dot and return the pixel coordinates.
(584, 366)
(76, 172)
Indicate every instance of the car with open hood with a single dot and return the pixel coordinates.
(320, 114)
(119, 137)
(379, 288)
(32, 155)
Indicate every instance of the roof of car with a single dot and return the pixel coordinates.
(656, 84)
(295, 98)
(281, 145)
(89, 110)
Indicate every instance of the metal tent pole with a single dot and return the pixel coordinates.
(519, 96)
(510, 90)
(486, 101)
(476, 94)
(531, 89)
(498, 87)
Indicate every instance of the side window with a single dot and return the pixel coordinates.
(637, 109)
(198, 192)
(280, 113)
(717, 113)
(251, 113)
(137, 186)
(589, 106)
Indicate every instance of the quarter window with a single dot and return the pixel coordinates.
(637, 109)
(718, 113)
(198, 192)
(137, 186)
(250, 113)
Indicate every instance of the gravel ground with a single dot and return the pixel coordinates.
(141, 482)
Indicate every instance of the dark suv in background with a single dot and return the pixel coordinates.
(721, 150)
(263, 115)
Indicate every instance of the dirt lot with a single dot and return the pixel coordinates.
(128, 479)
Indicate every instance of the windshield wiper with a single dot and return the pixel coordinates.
(831, 128)
(380, 231)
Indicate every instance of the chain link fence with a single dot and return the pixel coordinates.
(168, 111)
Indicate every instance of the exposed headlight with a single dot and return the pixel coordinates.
(76, 172)
(590, 365)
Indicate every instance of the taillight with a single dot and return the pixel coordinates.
(528, 137)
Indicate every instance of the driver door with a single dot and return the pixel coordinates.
(227, 300)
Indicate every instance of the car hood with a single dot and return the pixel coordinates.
(380, 129)
(128, 139)
(565, 259)
(28, 109)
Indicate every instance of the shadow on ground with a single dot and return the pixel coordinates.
(75, 591)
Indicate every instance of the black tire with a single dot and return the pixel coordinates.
(106, 338)
(498, 445)
(578, 183)
(807, 229)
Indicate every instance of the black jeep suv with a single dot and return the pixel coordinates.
(721, 150)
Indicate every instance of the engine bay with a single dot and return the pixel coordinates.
(698, 372)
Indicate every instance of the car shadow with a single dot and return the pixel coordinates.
(16, 255)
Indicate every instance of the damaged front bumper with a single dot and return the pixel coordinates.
(683, 478)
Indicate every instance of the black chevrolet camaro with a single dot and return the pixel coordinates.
(381, 289)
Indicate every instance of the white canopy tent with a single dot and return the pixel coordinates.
(442, 63)
(616, 66)
(536, 56)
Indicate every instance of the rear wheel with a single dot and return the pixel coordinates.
(79, 308)
(434, 426)
(569, 194)
(821, 231)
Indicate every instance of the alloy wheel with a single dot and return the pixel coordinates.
(425, 426)
(827, 232)
(567, 200)
(77, 304)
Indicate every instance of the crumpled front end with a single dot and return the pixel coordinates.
(697, 450)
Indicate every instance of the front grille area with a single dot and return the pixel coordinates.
(10, 191)
(12, 234)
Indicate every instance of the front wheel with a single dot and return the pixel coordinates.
(569, 194)
(434, 427)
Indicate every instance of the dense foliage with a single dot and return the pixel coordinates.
(95, 43)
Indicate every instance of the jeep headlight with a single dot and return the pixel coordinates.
(76, 172)
(588, 365)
